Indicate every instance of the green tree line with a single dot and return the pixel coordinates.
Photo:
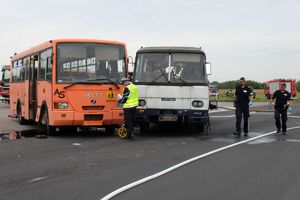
(233, 83)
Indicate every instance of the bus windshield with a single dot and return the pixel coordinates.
(80, 62)
(170, 68)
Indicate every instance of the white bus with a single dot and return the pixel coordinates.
(173, 86)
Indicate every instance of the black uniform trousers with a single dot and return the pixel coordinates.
(129, 117)
(242, 111)
(283, 114)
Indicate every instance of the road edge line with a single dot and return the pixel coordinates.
(179, 165)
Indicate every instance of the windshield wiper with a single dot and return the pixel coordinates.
(162, 74)
(80, 82)
(105, 79)
(178, 77)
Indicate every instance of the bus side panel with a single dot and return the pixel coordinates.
(13, 98)
(44, 91)
(17, 94)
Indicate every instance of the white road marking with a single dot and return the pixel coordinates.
(263, 140)
(37, 179)
(294, 116)
(292, 140)
(218, 110)
(170, 169)
(221, 116)
(227, 116)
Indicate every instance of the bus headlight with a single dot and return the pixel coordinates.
(197, 104)
(142, 102)
(61, 105)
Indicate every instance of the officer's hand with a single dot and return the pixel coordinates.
(250, 103)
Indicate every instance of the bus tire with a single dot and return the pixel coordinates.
(50, 130)
(21, 119)
(110, 130)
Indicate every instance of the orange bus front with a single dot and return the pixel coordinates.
(86, 82)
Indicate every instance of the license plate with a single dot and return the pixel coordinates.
(168, 118)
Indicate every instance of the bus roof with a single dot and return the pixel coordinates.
(49, 43)
(169, 49)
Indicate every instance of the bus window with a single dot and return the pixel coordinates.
(45, 70)
(49, 69)
(42, 70)
(188, 67)
(86, 61)
(6, 75)
(26, 68)
(18, 72)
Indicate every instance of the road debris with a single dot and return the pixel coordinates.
(41, 136)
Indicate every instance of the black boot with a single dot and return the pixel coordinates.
(237, 134)
(278, 130)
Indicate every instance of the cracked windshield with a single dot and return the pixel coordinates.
(170, 68)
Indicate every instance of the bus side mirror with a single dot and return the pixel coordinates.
(208, 68)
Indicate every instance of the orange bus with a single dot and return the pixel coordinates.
(69, 82)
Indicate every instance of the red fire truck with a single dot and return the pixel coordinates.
(4, 83)
(273, 85)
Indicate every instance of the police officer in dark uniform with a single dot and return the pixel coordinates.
(282, 104)
(242, 102)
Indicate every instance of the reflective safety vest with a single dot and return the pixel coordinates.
(133, 98)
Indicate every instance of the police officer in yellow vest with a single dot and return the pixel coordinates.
(129, 100)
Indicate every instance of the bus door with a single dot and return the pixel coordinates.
(25, 97)
(34, 63)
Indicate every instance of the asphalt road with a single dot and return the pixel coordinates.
(77, 166)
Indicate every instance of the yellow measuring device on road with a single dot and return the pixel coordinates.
(122, 132)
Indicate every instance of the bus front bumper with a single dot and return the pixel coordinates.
(156, 115)
(74, 118)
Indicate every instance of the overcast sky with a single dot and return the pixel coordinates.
(258, 39)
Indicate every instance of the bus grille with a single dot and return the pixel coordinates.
(90, 117)
(93, 107)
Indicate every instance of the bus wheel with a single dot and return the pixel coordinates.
(110, 130)
(21, 119)
(50, 130)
